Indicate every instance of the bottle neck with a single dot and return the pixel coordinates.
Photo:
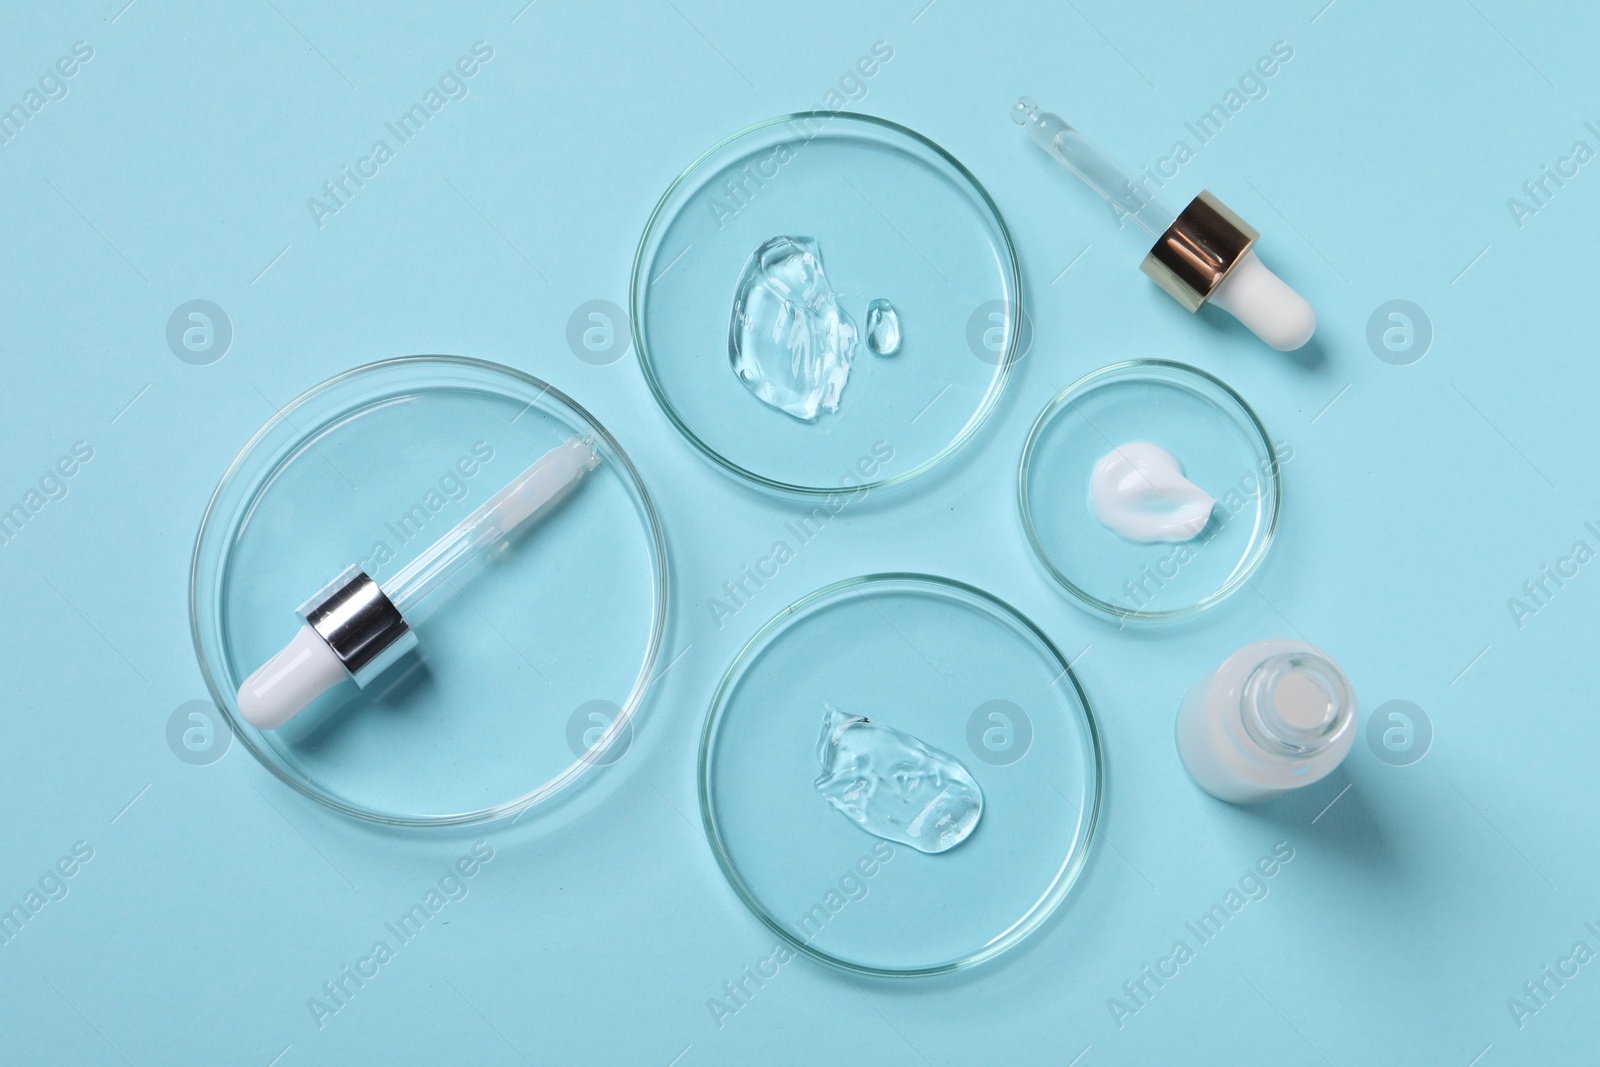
(1296, 705)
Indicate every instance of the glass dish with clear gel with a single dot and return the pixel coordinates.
(892, 335)
(1200, 480)
(900, 775)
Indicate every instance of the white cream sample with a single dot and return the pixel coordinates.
(1138, 490)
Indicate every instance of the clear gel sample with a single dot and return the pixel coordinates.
(894, 786)
(1138, 490)
(788, 339)
(883, 328)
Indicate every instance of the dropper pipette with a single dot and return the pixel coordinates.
(354, 629)
(1205, 253)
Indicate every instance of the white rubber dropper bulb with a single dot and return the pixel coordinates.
(1265, 304)
(281, 687)
(307, 666)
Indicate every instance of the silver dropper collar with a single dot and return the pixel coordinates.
(360, 624)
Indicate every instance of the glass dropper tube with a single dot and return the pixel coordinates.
(1093, 167)
(470, 540)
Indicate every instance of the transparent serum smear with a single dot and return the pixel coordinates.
(883, 328)
(788, 340)
(894, 786)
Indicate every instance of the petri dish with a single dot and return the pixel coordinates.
(894, 217)
(527, 674)
(958, 670)
(1222, 448)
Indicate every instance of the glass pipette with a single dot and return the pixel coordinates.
(1205, 253)
(355, 628)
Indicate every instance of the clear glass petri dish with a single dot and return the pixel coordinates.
(962, 672)
(527, 674)
(894, 217)
(1222, 448)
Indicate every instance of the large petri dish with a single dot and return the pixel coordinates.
(527, 674)
(894, 217)
(1222, 448)
(960, 671)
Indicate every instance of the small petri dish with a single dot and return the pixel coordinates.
(894, 217)
(1222, 448)
(958, 670)
(527, 674)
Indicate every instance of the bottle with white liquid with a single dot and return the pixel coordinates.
(1277, 715)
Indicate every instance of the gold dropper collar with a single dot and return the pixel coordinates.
(1198, 250)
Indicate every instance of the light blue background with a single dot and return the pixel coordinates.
(1377, 167)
